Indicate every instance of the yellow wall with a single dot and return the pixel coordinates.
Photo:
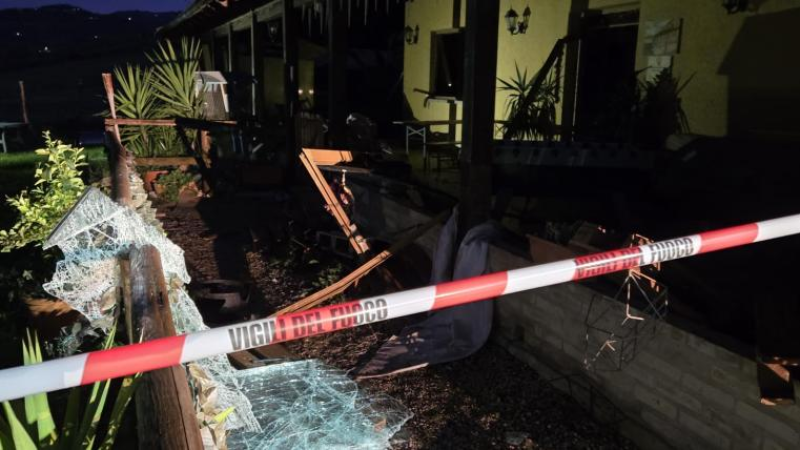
(547, 24)
(722, 53)
(726, 94)
(529, 51)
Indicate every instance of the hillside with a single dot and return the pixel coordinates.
(60, 52)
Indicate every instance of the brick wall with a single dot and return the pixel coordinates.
(679, 391)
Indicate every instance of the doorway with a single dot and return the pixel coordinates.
(606, 76)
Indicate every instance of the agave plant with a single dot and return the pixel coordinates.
(165, 89)
(38, 430)
(135, 99)
(173, 77)
(530, 107)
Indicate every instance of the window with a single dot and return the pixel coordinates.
(447, 64)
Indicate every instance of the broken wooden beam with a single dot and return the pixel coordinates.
(310, 159)
(164, 407)
(337, 288)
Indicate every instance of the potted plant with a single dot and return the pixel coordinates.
(530, 106)
(164, 89)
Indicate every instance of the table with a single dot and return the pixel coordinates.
(8, 126)
(420, 128)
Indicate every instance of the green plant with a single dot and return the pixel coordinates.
(164, 89)
(328, 275)
(58, 186)
(530, 107)
(174, 77)
(38, 430)
(172, 183)
(660, 112)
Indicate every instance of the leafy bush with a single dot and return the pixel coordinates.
(58, 186)
(173, 182)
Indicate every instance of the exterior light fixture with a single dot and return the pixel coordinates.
(514, 25)
(412, 34)
(735, 6)
(273, 30)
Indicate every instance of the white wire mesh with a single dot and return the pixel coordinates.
(294, 404)
(92, 236)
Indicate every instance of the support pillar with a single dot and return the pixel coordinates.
(290, 75)
(230, 47)
(480, 72)
(256, 67)
(337, 74)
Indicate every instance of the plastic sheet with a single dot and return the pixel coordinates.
(306, 405)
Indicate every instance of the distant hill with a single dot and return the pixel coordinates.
(55, 33)
(60, 53)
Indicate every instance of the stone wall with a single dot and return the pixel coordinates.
(679, 391)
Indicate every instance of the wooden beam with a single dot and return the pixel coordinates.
(118, 156)
(337, 73)
(290, 75)
(480, 72)
(349, 229)
(256, 66)
(164, 408)
(171, 161)
(182, 121)
(108, 85)
(340, 286)
(230, 48)
(23, 102)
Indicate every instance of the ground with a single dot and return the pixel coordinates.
(473, 403)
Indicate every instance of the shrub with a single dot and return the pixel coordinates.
(58, 186)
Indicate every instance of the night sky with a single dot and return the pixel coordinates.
(103, 6)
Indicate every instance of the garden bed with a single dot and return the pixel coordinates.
(490, 400)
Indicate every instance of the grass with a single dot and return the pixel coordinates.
(16, 169)
(16, 174)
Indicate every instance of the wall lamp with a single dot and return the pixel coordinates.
(735, 6)
(514, 25)
(412, 34)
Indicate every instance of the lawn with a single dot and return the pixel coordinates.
(16, 169)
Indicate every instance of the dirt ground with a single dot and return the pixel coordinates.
(484, 401)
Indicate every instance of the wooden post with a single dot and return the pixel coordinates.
(453, 105)
(256, 65)
(480, 71)
(571, 53)
(165, 412)
(230, 48)
(117, 154)
(290, 68)
(337, 74)
(23, 103)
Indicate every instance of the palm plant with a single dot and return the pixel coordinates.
(660, 109)
(174, 77)
(38, 430)
(135, 99)
(165, 89)
(530, 106)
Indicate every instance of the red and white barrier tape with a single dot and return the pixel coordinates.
(121, 361)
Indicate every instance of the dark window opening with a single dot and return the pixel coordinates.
(447, 64)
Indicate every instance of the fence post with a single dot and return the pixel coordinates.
(164, 408)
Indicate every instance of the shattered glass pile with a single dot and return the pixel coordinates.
(306, 405)
(300, 404)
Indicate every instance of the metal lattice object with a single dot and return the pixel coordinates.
(618, 328)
